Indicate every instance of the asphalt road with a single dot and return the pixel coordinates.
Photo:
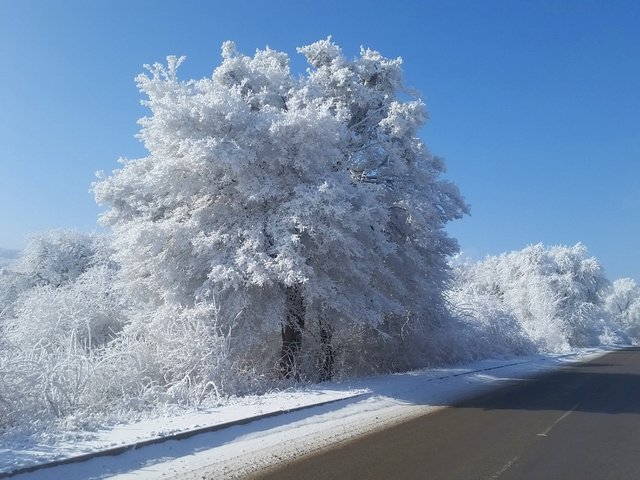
(580, 422)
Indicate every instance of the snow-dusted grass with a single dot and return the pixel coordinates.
(367, 403)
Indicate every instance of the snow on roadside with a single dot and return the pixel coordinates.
(347, 409)
(14, 456)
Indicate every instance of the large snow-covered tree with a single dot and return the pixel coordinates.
(295, 203)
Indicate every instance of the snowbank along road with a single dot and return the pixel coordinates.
(580, 422)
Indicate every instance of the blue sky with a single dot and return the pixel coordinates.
(534, 104)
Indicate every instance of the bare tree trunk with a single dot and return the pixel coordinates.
(292, 333)
(326, 352)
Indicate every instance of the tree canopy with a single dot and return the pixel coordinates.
(257, 181)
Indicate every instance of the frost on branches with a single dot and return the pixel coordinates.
(622, 302)
(556, 295)
(59, 315)
(302, 208)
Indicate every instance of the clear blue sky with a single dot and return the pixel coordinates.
(534, 104)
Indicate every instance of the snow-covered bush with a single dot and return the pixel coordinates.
(58, 257)
(88, 308)
(555, 294)
(63, 285)
(60, 309)
(622, 302)
(185, 353)
(179, 357)
(486, 328)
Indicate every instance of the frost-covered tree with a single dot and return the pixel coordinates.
(58, 257)
(555, 292)
(63, 285)
(87, 309)
(622, 301)
(297, 204)
(52, 259)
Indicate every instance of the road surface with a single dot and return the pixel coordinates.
(581, 422)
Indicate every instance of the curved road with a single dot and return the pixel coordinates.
(580, 422)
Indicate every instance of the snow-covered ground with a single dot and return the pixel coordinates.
(289, 424)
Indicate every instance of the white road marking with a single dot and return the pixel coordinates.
(562, 417)
(506, 467)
